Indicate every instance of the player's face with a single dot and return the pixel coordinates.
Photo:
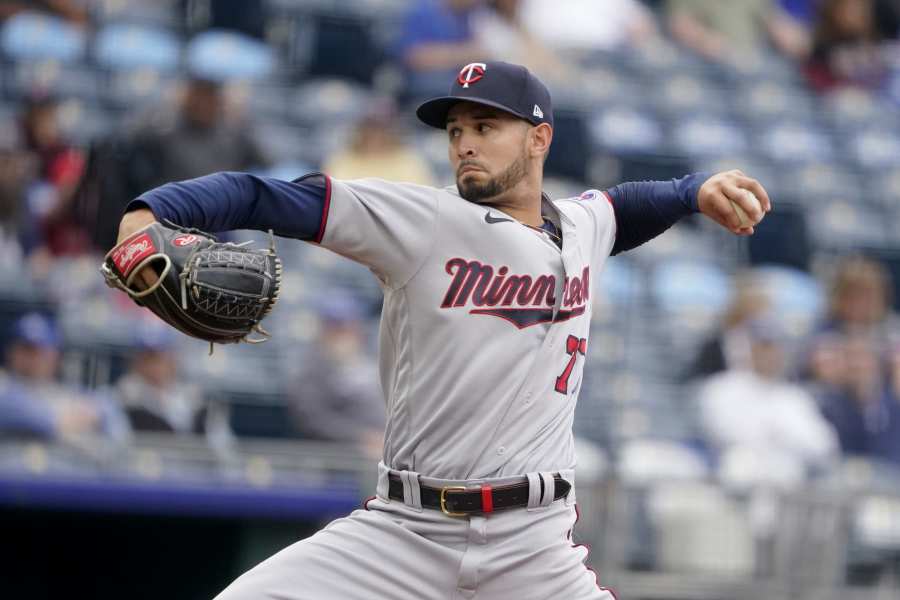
(487, 150)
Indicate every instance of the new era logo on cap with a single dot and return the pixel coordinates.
(506, 86)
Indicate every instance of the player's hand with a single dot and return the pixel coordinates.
(719, 191)
(130, 223)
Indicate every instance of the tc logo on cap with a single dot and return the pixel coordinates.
(471, 73)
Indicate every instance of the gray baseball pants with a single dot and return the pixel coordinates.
(396, 550)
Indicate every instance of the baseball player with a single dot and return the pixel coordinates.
(487, 307)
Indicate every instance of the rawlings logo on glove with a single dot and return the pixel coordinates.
(218, 292)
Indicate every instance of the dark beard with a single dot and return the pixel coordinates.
(507, 180)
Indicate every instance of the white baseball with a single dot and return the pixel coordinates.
(746, 221)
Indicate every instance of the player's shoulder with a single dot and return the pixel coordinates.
(586, 196)
(378, 187)
(588, 203)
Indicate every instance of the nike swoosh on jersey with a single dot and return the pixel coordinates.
(491, 219)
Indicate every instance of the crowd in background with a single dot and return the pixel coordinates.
(838, 391)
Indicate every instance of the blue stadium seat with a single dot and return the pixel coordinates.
(706, 136)
(130, 89)
(692, 296)
(268, 100)
(797, 298)
(625, 129)
(598, 86)
(795, 142)
(852, 108)
(684, 94)
(287, 142)
(329, 101)
(621, 283)
(84, 122)
(762, 102)
(808, 183)
(845, 223)
(128, 46)
(50, 77)
(29, 36)
(875, 149)
(883, 187)
(227, 56)
(163, 13)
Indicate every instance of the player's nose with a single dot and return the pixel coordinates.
(465, 145)
(465, 150)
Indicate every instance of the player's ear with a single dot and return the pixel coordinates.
(540, 138)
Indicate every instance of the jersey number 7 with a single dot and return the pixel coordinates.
(574, 346)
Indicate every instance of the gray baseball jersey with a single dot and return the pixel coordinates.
(485, 323)
(482, 345)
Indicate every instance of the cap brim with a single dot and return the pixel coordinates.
(434, 112)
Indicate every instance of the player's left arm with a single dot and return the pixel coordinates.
(645, 209)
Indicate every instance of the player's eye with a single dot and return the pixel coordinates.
(482, 127)
(453, 132)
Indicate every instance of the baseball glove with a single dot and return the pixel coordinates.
(215, 291)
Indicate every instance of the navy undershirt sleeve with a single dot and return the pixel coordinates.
(229, 200)
(645, 209)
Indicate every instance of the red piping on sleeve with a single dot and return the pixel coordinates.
(610, 200)
(325, 206)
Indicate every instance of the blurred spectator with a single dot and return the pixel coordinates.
(737, 32)
(32, 401)
(156, 399)
(755, 412)
(336, 393)
(435, 41)
(729, 347)
(863, 402)
(859, 305)
(198, 137)
(71, 10)
(500, 30)
(588, 25)
(846, 47)
(853, 362)
(16, 174)
(377, 149)
(860, 299)
(60, 168)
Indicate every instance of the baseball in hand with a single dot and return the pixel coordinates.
(746, 221)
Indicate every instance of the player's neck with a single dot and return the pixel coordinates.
(523, 202)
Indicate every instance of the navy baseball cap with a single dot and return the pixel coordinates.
(509, 87)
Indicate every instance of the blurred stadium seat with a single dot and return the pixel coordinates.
(226, 56)
(31, 36)
(128, 46)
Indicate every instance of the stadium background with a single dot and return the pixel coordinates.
(117, 511)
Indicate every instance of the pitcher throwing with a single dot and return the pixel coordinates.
(488, 287)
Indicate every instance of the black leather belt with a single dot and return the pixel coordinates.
(458, 501)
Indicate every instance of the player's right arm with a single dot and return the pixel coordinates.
(386, 226)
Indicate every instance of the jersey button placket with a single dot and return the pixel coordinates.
(501, 450)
